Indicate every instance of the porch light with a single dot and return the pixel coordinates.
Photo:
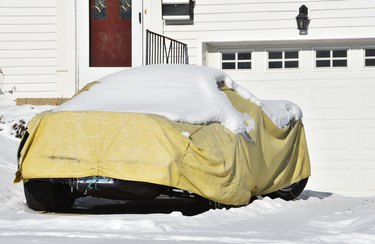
(303, 20)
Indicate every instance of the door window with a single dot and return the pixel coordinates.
(99, 9)
(125, 9)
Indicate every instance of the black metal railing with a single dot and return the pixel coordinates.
(164, 50)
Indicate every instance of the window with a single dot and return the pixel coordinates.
(369, 57)
(330, 58)
(236, 60)
(283, 59)
(100, 9)
(125, 9)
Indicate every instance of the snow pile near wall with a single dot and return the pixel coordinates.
(183, 93)
(13, 119)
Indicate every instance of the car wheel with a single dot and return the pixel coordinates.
(48, 196)
(290, 192)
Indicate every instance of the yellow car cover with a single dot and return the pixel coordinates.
(208, 160)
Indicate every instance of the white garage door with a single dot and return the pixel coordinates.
(334, 84)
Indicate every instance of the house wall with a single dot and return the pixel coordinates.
(44, 45)
(37, 47)
(256, 20)
(338, 103)
(152, 16)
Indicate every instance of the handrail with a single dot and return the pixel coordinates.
(164, 50)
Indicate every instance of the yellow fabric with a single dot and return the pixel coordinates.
(212, 162)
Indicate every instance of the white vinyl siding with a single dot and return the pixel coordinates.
(28, 46)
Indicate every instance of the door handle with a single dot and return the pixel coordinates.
(140, 17)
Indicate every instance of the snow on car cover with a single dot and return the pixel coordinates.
(176, 125)
(184, 93)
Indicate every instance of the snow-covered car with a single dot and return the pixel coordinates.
(175, 130)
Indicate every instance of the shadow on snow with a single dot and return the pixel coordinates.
(163, 205)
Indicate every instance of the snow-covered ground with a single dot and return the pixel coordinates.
(316, 217)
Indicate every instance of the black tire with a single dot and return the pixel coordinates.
(290, 192)
(48, 196)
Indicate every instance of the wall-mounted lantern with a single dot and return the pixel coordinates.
(303, 20)
(178, 11)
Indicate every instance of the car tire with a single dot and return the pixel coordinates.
(290, 192)
(48, 196)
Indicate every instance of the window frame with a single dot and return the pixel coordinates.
(283, 59)
(236, 60)
(364, 57)
(331, 58)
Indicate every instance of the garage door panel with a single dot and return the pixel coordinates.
(369, 180)
(330, 143)
(343, 177)
(331, 103)
(332, 139)
(322, 179)
(368, 98)
(341, 139)
(332, 99)
(368, 139)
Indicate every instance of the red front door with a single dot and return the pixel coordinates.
(110, 33)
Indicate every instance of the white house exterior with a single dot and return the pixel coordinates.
(329, 73)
